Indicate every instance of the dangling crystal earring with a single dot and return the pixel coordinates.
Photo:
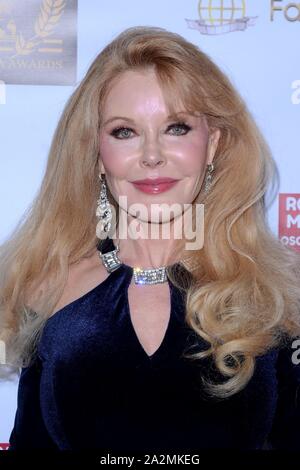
(208, 178)
(103, 211)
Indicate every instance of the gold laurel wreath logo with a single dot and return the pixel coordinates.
(50, 14)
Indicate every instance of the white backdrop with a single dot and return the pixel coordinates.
(262, 61)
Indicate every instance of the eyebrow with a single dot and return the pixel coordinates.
(171, 116)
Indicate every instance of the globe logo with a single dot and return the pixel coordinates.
(221, 16)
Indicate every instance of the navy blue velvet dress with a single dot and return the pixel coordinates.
(93, 386)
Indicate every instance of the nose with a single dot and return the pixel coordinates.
(152, 155)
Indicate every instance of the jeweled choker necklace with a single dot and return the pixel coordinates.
(111, 261)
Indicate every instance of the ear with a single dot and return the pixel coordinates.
(213, 141)
(101, 166)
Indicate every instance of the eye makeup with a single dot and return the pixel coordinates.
(115, 132)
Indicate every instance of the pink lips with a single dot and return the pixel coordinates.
(154, 185)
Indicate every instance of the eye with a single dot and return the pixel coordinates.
(180, 126)
(123, 130)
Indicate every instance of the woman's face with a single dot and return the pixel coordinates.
(140, 141)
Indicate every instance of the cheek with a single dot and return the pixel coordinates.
(191, 154)
(114, 157)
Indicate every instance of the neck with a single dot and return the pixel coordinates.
(155, 246)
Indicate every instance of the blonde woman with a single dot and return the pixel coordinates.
(133, 343)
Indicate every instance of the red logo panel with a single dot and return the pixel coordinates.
(289, 220)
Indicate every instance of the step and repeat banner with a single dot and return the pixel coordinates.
(46, 47)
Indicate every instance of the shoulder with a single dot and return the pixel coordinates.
(285, 432)
(83, 277)
(288, 361)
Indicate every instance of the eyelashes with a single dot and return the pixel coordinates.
(116, 131)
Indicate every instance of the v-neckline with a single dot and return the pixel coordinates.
(134, 335)
(107, 245)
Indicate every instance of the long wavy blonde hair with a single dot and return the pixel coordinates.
(245, 296)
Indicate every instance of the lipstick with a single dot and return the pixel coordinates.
(154, 185)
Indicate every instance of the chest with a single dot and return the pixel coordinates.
(149, 309)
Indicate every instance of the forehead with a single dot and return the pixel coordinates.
(140, 91)
(133, 88)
